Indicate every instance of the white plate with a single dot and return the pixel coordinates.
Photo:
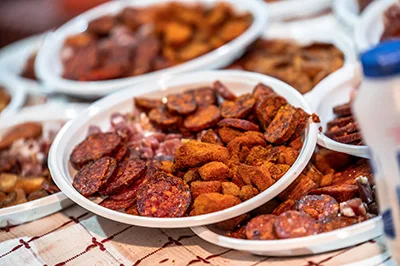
(337, 239)
(99, 114)
(13, 58)
(41, 207)
(49, 67)
(347, 12)
(17, 93)
(369, 28)
(333, 91)
(296, 9)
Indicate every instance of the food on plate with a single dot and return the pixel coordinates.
(137, 41)
(334, 191)
(344, 128)
(301, 66)
(362, 4)
(5, 98)
(391, 22)
(196, 152)
(29, 68)
(24, 175)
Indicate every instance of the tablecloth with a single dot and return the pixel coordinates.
(78, 237)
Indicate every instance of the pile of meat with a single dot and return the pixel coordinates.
(24, 175)
(322, 199)
(234, 147)
(344, 128)
(301, 66)
(142, 40)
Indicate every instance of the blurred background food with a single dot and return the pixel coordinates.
(22, 18)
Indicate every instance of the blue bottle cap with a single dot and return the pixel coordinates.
(383, 60)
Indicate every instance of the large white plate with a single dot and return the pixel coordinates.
(49, 66)
(12, 61)
(369, 28)
(295, 9)
(17, 93)
(39, 208)
(99, 114)
(333, 91)
(347, 12)
(337, 239)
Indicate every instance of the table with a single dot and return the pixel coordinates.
(78, 237)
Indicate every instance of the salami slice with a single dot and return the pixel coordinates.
(166, 197)
(93, 176)
(204, 118)
(224, 91)
(182, 104)
(318, 207)
(261, 228)
(94, 147)
(239, 108)
(283, 126)
(292, 224)
(239, 124)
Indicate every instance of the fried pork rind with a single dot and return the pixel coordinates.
(230, 188)
(204, 187)
(195, 153)
(214, 171)
(261, 228)
(191, 175)
(259, 155)
(287, 155)
(94, 147)
(255, 175)
(247, 192)
(283, 126)
(211, 137)
(213, 202)
(22, 131)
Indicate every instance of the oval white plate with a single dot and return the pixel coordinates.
(296, 9)
(369, 28)
(13, 58)
(337, 239)
(39, 208)
(332, 91)
(49, 67)
(347, 12)
(99, 114)
(17, 93)
(305, 36)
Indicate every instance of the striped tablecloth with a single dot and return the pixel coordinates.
(78, 237)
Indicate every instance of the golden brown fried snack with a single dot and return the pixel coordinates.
(278, 170)
(191, 175)
(213, 202)
(227, 134)
(230, 188)
(299, 188)
(267, 106)
(176, 33)
(287, 155)
(259, 155)
(203, 187)
(195, 153)
(214, 171)
(211, 137)
(255, 175)
(247, 192)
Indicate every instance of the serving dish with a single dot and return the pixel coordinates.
(36, 209)
(49, 67)
(98, 114)
(294, 9)
(13, 59)
(17, 94)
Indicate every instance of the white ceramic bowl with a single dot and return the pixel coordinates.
(49, 66)
(337, 239)
(347, 12)
(369, 28)
(296, 9)
(39, 208)
(99, 114)
(17, 93)
(12, 61)
(333, 91)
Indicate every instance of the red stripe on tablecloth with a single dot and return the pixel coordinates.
(72, 219)
(206, 260)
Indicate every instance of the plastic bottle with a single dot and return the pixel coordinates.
(377, 108)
